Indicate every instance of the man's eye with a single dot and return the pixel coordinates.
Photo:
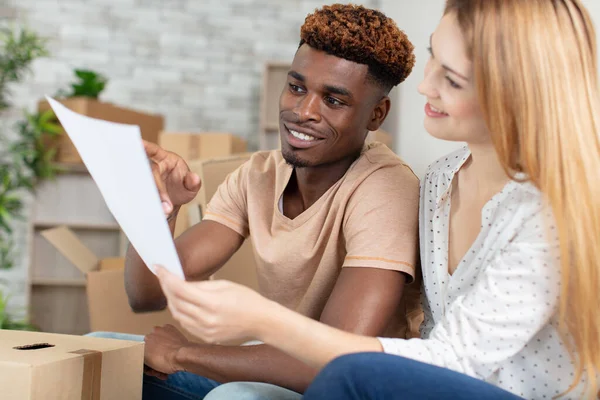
(295, 88)
(333, 101)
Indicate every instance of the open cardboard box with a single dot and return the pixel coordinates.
(108, 305)
(194, 146)
(47, 366)
(241, 267)
(107, 301)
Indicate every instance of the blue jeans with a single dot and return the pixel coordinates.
(375, 376)
(188, 386)
(252, 391)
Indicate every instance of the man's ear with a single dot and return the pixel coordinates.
(380, 112)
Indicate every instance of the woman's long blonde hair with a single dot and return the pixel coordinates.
(536, 72)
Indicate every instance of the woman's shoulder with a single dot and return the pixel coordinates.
(439, 174)
(448, 163)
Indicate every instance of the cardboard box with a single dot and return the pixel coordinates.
(108, 305)
(241, 268)
(150, 125)
(46, 366)
(194, 146)
(107, 300)
(381, 136)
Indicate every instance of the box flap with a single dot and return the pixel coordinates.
(111, 263)
(72, 248)
(213, 172)
(110, 311)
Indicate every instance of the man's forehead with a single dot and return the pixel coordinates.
(319, 66)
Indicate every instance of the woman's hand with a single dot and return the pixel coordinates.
(215, 311)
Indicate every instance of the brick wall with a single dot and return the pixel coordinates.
(197, 62)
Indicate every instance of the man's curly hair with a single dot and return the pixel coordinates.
(364, 36)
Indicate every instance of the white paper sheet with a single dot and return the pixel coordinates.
(115, 157)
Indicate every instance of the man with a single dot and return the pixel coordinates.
(333, 222)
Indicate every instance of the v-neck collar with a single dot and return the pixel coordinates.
(316, 206)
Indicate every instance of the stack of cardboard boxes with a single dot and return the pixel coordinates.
(107, 301)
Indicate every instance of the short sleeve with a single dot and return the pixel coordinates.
(381, 221)
(229, 204)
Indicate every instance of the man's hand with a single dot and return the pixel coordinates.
(161, 350)
(176, 184)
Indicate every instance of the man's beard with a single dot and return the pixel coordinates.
(293, 160)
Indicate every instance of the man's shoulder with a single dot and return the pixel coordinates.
(379, 163)
(379, 154)
(262, 161)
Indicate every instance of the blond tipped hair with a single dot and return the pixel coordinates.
(535, 70)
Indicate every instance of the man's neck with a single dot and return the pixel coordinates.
(308, 184)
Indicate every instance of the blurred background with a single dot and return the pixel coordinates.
(180, 68)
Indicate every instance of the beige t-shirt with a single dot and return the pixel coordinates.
(369, 218)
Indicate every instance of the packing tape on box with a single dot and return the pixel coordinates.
(92, 373)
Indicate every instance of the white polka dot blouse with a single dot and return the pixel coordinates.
(494, 318)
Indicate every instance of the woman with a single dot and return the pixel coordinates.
(509, 226)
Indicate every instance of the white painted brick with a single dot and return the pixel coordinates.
(163, 4)
(211, 7)
(157, 74)
(203, 78)
(116, 3)
(78, 56)
(202, 100)
(82, 31)
(49, 70)
(184, 64)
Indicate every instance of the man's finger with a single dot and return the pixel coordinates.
(162, 191)
(154, 152)
(192, 182)
(152, 372)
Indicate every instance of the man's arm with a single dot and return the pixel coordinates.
(203, 249)
(362, 302)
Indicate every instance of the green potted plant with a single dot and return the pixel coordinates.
(9, 322)
(26, 159)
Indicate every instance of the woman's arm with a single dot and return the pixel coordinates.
(310, 341)
(224, 311)
(513, 299)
